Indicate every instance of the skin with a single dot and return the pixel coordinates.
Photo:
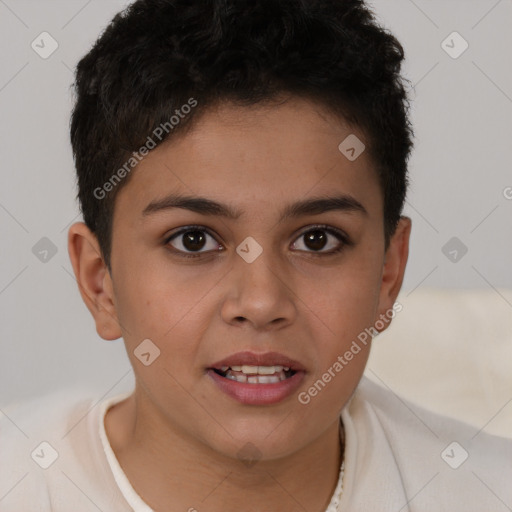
(177, 437)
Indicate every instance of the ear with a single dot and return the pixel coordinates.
(393, 271)
(94, 280)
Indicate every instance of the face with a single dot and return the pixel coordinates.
(287, 269)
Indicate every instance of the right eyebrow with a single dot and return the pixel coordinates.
(200, 205)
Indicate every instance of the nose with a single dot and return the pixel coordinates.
(259, 294)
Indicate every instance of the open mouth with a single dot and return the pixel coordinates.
(255, 374)
(257, 379)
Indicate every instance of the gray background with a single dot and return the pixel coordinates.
(460, 171)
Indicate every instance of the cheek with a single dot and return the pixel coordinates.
(152, 300)
(347, 308)
(170, 310)
(348, 300)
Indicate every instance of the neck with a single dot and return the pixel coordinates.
(190, 475)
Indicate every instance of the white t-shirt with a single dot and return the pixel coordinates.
(398, 458)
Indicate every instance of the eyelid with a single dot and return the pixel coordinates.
(189, 227)
(185, 229)
(338, 233)
(343, 236)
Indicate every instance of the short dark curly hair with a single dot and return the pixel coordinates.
(156, 55)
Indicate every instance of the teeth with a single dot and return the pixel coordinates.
(238, 378)
(255, 379)
(263, 379)
(267, 370)
(259, 370)
(267, 379)
(249, 369)
(255, 374)
(256, 370)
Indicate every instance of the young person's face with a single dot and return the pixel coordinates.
(298, 298)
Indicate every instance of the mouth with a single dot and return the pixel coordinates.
(257, 379)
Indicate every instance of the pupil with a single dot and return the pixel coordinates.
(316, 239)
(193, 240)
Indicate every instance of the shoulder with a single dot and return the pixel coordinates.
(395, 412)
(53, 412)
(35, 437)
(450, 458)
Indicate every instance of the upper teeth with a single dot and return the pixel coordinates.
(256, 370)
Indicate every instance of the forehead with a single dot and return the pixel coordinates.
(255, 156)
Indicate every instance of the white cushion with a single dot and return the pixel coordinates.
(450, 351)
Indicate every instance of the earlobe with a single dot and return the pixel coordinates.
(394, 267)
(93, 279)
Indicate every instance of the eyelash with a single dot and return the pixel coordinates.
(340, 235)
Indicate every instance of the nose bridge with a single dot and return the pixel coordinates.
(259, 292)
(259, 271)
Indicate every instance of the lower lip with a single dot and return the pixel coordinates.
(257, 394)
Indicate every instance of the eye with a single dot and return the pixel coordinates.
(317, 238)
(192, 239)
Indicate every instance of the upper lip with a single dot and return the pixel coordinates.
(262, 359)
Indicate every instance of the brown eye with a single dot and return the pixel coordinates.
(319, 238)
(192, 240)
(315, 240)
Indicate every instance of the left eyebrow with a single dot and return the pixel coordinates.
(205, 206)
(316, 206)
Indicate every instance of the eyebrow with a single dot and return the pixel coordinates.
(205, 206)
